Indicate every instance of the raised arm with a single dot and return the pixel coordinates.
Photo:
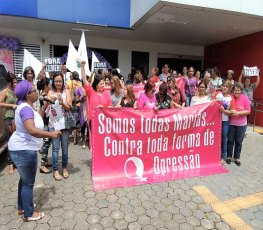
(257, 81)
(83, 73)
(240, 77)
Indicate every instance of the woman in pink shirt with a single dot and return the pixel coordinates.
(238, 124)
(147, 100)
(97, 97)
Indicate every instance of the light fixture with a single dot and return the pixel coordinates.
(85, 30)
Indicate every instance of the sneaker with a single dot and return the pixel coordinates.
(237, 162)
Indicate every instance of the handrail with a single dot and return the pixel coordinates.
(258, 107)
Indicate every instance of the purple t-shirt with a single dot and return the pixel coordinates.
(190, 86)
(26, 113)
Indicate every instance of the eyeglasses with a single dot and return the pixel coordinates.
(58, 82)
(32, 91)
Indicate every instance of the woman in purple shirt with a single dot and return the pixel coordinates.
(191, 84)
(24, 144)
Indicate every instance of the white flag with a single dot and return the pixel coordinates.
(73, 59)
(31, 60)
(82, 51)
(94, 59)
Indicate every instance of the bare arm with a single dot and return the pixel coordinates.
(42, 71)
(240, 77)
(257, 81)
(68, 104)
(2, 98)
(83, 73)
(30, 127)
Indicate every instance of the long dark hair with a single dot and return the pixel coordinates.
(42, 83)
(96, 81)
(26, 70)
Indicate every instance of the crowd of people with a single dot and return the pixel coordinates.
(33, 103)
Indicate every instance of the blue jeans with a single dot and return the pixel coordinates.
(26, 163)
(64, 139)
(45, 148)
(188, 99)
(235, 139)
(225, 128)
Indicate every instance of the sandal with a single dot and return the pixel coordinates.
(21, 212)
(65, 173)
(56, 176)
(32, 218)
(44, 170)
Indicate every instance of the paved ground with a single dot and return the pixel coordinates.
(183, 204)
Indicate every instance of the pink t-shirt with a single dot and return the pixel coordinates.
(242, 103)
(145, 102)
(95, 99)
(180, 84)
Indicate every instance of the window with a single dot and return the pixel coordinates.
(18, 56)
(140, 60)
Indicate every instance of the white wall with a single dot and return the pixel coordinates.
(254, 7)
(125, 47)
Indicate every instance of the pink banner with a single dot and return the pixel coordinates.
(6, 59)
(132, 147)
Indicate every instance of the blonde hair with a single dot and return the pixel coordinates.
(118, 89)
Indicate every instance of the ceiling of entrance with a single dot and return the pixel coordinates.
(165, 24)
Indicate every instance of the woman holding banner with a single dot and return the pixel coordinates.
(178, 97)
(147, 100)
(116, 91)
(97, 97)
(226, 101)
(238, 125)
(129, 99)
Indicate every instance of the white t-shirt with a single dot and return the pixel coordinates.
(225, 101)
(199, 100)
(21, 139)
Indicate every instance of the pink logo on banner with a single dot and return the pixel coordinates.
(132, 147)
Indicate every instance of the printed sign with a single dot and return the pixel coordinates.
(250, 71)
(100, 65)
(53, 64)
(132, 147)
